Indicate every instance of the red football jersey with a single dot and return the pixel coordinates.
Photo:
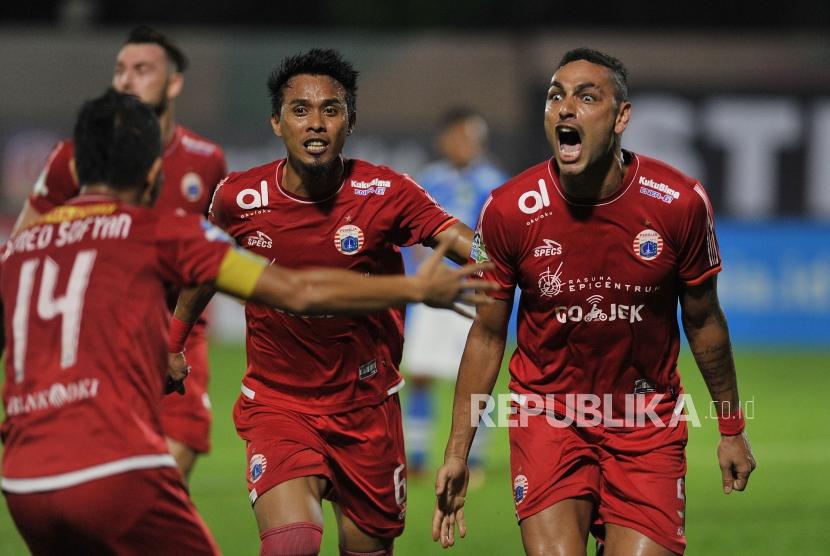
(326, 364)
(191, 168)
(85, 321)
(599, 281)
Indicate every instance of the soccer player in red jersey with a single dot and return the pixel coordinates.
(151, 67)
(603, 243)
(319, 409)
(86, 469)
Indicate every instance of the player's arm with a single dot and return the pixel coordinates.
(189, 306)
(27, 217)
(459, 249)
(705, 326)
(325, 290)
(477, 375)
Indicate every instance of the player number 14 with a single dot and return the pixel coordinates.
(69, 306)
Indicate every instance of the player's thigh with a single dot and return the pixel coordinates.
(351, 537)
(293, 501)
(625, 541)
(560, 529)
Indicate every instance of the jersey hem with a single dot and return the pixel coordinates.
(74, 478)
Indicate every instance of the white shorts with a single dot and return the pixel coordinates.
(434, 342)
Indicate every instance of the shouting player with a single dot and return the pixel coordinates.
(151, 67)
(603, 243)
(86, 469)
(319, 409)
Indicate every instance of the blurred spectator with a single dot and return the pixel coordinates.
(460, 181)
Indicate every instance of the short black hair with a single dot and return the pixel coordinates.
(317, 61)
(619, 74)
(456, 115)
(117, 139)
(144, 34)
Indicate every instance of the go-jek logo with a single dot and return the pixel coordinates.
(250, 198)
(576, 313)
(533, 201)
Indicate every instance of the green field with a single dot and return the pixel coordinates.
(784, 511)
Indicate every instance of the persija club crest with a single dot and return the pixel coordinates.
(647, 245)
(550, 283)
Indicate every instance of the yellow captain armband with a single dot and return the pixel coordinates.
(239, 272)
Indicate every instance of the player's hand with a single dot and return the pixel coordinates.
(449, 288)
(736, 461)
(450, 490)
(177, 371)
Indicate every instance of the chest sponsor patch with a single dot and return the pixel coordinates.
(648, 245)
(260, 239)
(192, 187)
(550, 283)
(349, 239)
(373, 187)
(549, 248)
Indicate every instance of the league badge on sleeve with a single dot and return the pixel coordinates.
(478, 252)
(519, 489)
(348, 239)
(648, 245)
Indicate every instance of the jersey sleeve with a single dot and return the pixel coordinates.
(219, 170)
(421, 217)
(491, 242)
(699, 256)
(55, 185)
(190, 249)
(217, 211)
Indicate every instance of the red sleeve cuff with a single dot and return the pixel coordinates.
(703, 277)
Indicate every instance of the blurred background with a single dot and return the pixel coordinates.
(731, 93)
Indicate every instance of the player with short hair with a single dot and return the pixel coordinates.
(460, 181)
(86, 469)
(319, 409)
(603, 243)
(151, 66)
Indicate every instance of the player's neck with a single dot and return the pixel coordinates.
(599, 180)
(167, 123)
(128, 196)
(298, 180)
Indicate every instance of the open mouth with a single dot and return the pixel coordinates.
(570, 144)
(315, 146)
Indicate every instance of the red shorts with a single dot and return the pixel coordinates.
(137, 512)
(187, 418)
(360, 452)
(636, 477)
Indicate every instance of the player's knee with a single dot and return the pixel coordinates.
(295, 539)
(381, 552)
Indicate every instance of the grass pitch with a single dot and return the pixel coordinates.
(784, 511)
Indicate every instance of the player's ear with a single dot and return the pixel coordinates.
(623, 116)
(275, 125)
(151, 190)
(175, 84)
(352, 122)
